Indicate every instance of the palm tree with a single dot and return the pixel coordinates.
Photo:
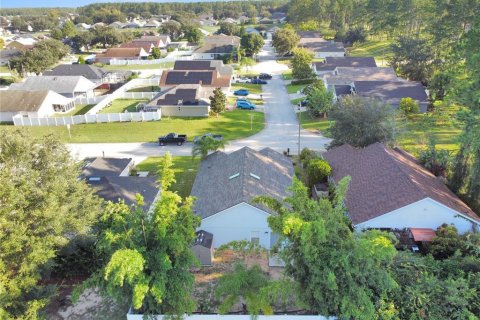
(206, 144)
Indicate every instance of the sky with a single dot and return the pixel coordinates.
(71, 3)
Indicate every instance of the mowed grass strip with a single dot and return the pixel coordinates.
(252, 88)
(231, 124)
(185, 169)
(294, 88)
(122, 105)
(314, 124)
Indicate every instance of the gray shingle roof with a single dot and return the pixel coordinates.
(224, 180)
(347, 75)
(353, 62)
(28, 101)
(323, 46)
(216, 48)
(59, 84)
(88, 71)
(104, 167)
(114, 188)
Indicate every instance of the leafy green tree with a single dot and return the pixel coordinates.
(107, 36)
(205, 145)
(413, 58)
(81, 60)
(301, 64)
(43, 204)
(320, 100)
(360, 122)
(56, 33)
(409, 106)
(252, 43)
(243, 284)
(317, 170)
(194, 35)
(156, 53)
(218, 101)
(446, 242)
(437, 161)
(353, 276)
(68, 29)
(172, 28)
(19, 23)
(83, 40)
(147, 254)
(229, 29)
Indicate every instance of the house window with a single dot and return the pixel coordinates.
(255, 237)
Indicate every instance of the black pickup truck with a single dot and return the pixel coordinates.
(179, 139)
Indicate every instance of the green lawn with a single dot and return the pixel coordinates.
(78, 110)
(211, 29)
(314, 124)
(287, 75)
(145, 89)
(294, 88)
(122, 105)
(380, 49)
(252, 88)
(296, 101)
(232, 101)
(231, 124)
(414, 132)
(4, 69)
(185, 171)
(163, 65)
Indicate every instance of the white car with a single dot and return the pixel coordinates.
(242, 80)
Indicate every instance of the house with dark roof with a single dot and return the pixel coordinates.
(322, 48)
(329, 64)
(216, 46)
(121, 54)
(389, 189)
(110, 178)
(279, 17)
(225, 186)
(206, 78)
(185, 100)
(223, 70)
(34, 103)
(391, 92)
(93, 73)
(309, 34)
(7, 54)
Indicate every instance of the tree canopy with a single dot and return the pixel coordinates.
(301, 64)
(285, 40)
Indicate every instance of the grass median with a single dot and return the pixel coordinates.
(231, 124)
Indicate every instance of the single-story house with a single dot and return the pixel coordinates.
(223, 70)
(7, 54)
(99, 25)
(323, 49)
(90, 72)
(22, 44)
(109, 177)
(121, 54)
(213, 51)
(392, 92)
(279, 17)
(117, 25)
(145, 45)
(160, 41)
(389, 189)
(208, 79)
(347, 75)
(185, 100)
(329, 64)
(309, 34)
(203, 247)
(219, 39)
(230, 20)
(133, 25)
(67, 86)
(225, 186)
(32, 103)
(152, 23)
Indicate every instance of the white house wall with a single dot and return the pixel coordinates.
(425, 213)
(238, 223)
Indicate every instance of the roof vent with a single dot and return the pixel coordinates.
(233, 176)
(254, 176)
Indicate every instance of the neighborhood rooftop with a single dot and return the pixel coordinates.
(27, 101)
(105, 167)
(385, 179)
(330, 63)
(59, 84)
(184, 94)
(88, 71)
(224, 180)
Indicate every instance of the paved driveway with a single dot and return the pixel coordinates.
(281, 129)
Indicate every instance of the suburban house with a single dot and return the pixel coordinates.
(185, 100)
(160, 41)
(90, 72)
(117, 25)
(145, 45)
(7, 54)
(152, 23)
(322, 48)
(230, 20)
(225, 186)
(82, 26)
(22, 44)
(110, 178)
(209, 79)
(32, 103)
(309, 34)
(392, 92)
(216, 47)
(329, 64)
(389, 189)
(121, 54)
(67, 86)
(279, 17)
(223, 70)
(347, 75)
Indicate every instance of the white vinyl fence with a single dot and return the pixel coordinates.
(20, 120)
(91, 100)
(182, 55)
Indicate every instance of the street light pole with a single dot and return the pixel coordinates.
(299, 127)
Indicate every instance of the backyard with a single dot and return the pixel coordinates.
(380, 49)
(163, 65)
(185, 169)
(231, 124)
(78, 110)
(122, 105)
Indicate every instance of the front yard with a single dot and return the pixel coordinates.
(185, 169)
(231, 124)
(252, 88)
(122, 105)
(294, 88)
(314, 124)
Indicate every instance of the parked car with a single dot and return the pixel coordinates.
(245, 105)
(213, 136)
(242, 80)
(241, 92)
(179, 139)
(307, 89)
(265, 76)
(259, 81)
(303, 103)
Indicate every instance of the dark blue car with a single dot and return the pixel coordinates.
(241, 92)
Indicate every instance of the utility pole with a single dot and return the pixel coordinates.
(299, 128)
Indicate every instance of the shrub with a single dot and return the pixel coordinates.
(436, 161)
(409, 106)
(304, 81)
(317, 171)
(306, 155)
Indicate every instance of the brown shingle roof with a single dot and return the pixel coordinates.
(121, 52)
(29, 101)
(385, 179)
(145, 45)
